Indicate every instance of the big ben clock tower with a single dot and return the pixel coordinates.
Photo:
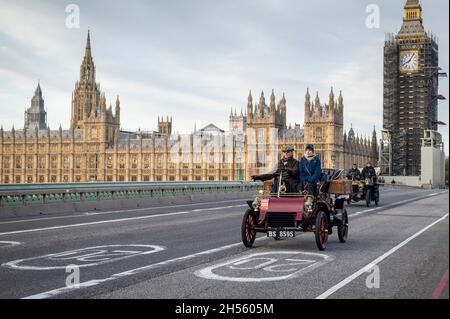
(410, 89)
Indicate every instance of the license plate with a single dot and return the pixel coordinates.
(281, 233)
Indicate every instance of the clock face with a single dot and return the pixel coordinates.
(409, 61)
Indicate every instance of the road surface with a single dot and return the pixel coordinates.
(397, 250)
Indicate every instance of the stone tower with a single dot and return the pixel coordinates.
(266, 116)
(89, 111)
(265, 124)
(410, 89)
(238, 122)
(165, 127)
(324, 128)
(35, 115)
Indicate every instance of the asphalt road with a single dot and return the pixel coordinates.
(397, 250)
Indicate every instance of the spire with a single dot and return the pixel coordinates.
(412, 3)
(38, 89)
(88, 45)
(262, 99)
(374, 135)
(412, 18)
(307, 104)
(331, 103)
(272, 102)
(351, 133)
(317, 101)
(250, 105)
(262, 104)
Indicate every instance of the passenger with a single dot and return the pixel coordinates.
(310, 170)
(287, 168)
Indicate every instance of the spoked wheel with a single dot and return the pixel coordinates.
(248, 228)
(368, 197)
(343, 227)
(321, 230)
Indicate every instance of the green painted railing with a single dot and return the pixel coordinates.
(14, 195)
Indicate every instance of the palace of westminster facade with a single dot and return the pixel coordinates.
(95, 148)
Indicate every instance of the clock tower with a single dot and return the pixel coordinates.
(410, 89)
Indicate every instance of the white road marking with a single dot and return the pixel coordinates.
(9, 243)
(83, 214)
(174, 214)
(368, 267)
(208, 273)
(99, 255)
(393, 204)
(116, 220)
(135, 271)
(91, 283)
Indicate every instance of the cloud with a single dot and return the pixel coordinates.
(170, 58)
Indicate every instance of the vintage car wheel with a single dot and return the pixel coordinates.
(321, 230)
(368, 193)
(248, 228)
(343, 227)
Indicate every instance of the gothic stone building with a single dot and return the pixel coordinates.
(267, 133)
(96, 149)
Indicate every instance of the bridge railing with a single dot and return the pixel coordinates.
(34, 194)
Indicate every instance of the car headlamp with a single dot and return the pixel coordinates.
(256, 203)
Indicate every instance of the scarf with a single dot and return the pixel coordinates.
(309, 157)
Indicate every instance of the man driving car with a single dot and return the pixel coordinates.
(287, 168)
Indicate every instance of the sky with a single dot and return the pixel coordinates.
(194, 60)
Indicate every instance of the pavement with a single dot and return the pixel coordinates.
(399, 249)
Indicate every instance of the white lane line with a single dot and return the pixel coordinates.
(393, 204)
(83, 214)
(116, 220)
(368, 267)
(95, 282)
(9, 243)
(177, 213)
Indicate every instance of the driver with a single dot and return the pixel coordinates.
(288, 169)
(354, 172)
(368, 172)
(355, 175)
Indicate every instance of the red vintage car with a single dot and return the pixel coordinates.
(282, 215)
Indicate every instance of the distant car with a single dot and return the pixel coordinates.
(367, 190)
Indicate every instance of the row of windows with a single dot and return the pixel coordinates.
(92, 163)
(109, 178)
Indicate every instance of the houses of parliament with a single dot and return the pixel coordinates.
(95, 148)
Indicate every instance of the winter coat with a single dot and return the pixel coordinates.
(310, 170)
